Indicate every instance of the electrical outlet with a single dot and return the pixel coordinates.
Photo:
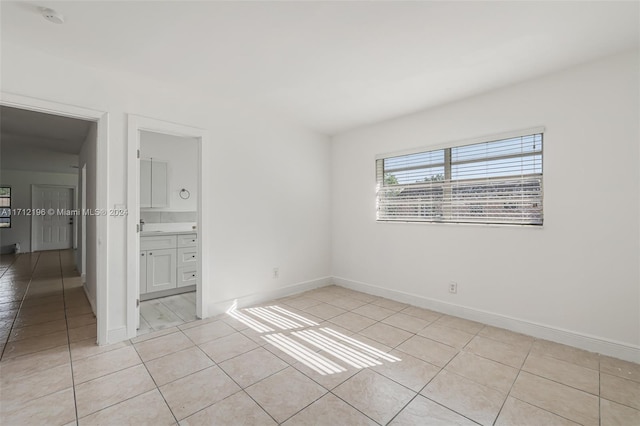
(453, 287)
(276, 273)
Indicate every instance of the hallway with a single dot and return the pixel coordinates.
(45, 322)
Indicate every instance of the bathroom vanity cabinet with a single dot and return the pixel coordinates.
(168, 263)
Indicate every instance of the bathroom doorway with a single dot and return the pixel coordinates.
(166, 242)
(168, 230)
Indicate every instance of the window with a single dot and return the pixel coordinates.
(5, 207)
(498, 182)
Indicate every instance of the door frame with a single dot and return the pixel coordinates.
(101, 119)
(82, 223)
(33, 216)
(136, 124)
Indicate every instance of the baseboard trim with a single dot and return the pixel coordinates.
(221, 307)
(596, 344)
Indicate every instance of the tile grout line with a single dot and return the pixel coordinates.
(620, 403)
(170, 309)
(544, 409)
(412, 334)
(242, 389)
(521, 370)
(66, 320)
(120, 370)
(560, 383)
(452, 410)
(328, 391)
(15, 259)
(459, 350)
(154, 383)
(436, 375)
(176, 311)
(22, 299)
(599, 393)
(522, 364)
(309, 404)
(380, 321)
(512, 384)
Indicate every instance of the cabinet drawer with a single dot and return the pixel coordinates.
(158, 242)
(188, 240)
(187, 275)
(187, 256)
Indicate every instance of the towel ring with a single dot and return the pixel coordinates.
(185, 194)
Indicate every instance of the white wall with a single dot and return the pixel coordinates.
(579, 273)
(87, 159)
(21, 182)
(181, 155)
(271, 178)
(16, 156)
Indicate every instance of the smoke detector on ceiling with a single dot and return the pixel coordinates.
(51, 15)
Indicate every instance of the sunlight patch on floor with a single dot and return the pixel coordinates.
(303, 354)
(304, 344)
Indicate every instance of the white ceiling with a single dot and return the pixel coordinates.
(36, 130)
(331, 65)
(35, 141)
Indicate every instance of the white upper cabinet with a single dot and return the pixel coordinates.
(153, 184)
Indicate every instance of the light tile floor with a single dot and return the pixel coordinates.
(390, 364)
(165, 312)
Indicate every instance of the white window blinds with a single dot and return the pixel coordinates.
(490, 182)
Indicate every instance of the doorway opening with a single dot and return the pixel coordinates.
(168, 230)
(166, 235)
(45, 145)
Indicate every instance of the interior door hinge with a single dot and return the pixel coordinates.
(137, 303)
(137, 227)
(138, 153)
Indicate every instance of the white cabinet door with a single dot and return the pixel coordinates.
(143, 272)
(161, 270)
(153, 183)
(145, 183)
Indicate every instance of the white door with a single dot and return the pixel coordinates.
(52, 223)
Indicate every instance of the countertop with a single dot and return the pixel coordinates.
(160, 233)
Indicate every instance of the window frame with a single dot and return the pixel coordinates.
(7, 207)
(448, 182)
